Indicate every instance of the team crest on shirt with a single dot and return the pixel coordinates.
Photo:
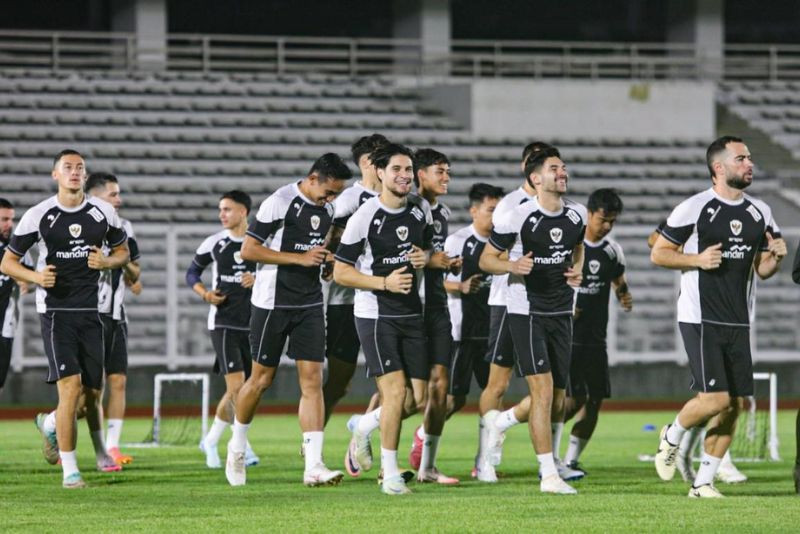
(556, 234)
(75, 230)
(594, 266)
(437, 226)
(237, 257)
(402, 232)
(736, 227)
(315, 222)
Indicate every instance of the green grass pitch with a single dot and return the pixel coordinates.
(170, 489)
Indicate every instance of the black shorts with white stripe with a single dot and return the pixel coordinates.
(394, 344)
(303, 327)
(342, 338)
(232, 347)
(73, 344)
(5, 358)
(438, 332)
(501, 346)
(719, 357)
(543, 344)
(115, 337)
(468, 361)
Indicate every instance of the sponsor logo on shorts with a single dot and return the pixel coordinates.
(75, 230)
(556, 234)
(712, 381)
(387, 362)
(540, 362)
(230, 364)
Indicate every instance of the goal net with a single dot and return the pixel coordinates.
(180, 409)
(756, 437)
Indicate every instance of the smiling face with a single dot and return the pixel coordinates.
(321, 191)
(434, 178)
(396, 176)
(552, 177)
(70, 173)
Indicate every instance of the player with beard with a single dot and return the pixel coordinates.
(382, 248)
(544, 270)
(725, 235)
(70, 230)
(287, 239)
(603, 269)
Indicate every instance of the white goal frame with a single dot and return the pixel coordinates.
(159, 379)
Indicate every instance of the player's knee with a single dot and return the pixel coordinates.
(719, 402)
(261, 381)
(117, 382)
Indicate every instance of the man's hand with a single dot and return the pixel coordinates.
(456, 264)
(136, 287)
(472, 284)
(399, 281)
(97, 260)
(522, 266)
(574, 278)
(47, 276)
(710, 258)
(248, 280)
(313, 257)
(23, 287)
(417, 257)
(777, 247)
(626, 301)
(439, 260)
(214, 297)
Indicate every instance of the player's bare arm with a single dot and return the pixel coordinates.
(574, 274)
(623, 293)
(252, 250)
(768, 262)
(120, 255)
(668, 254)
(399, 281)
(13, 267)
(131, 271)
(492, 262)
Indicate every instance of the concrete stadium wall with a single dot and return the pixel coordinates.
(586, 109)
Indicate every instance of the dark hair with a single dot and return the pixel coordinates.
(367, 145)
(718, 146)
(66, 152)
(536, 160)
(383, 154)
(5, 204)
(330, 166)
(240, 197)
(99, 179)
(605, 199)
(425, 157)
(480, 191)
(536, 146)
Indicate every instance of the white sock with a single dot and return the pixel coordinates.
(481, 440)
(429, 447)
(547, 465)
(249, 448)
(675, 432)
(708, 468)
(369, 422)
(69, 463)
(727, 461)
(557, 429)
(389, 463)
(688, 442)
(506, 420)
(97, 442)
(50, 422)
(312, 441)
(239, 440)
(574, 449)
(216, 431)
(421, 432)
(114, 432)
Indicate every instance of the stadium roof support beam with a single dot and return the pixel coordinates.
(701, 22)
(147, 19)
(428, 21)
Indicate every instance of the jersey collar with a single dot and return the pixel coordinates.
(477, 236)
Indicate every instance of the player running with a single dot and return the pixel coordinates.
(287, 239)
(725, 235)
(603, 269)
(10, 291)
(228, 313)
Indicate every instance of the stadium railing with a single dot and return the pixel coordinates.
(371, 56)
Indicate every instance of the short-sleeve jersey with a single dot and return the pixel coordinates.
(435, 294)
(602, 263)
(377, 241)
(720, 295)
(498, 294)
(111, 294)
(287, 221)
(551, 237)
(223, 252)
(469, 314)
(344, 206)
(9, 297)
(65, 237)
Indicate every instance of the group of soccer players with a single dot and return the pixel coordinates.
(525, 288)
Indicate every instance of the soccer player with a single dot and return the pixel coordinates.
(432, 176)
(228, 313)
(9, 293)
(468, 299)
(112, 311)
(603, 269)
(725, 234)
(287, 239)
(540, 302)
(796, 278)
(70, 230)
(381, 251)
(342, 340)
